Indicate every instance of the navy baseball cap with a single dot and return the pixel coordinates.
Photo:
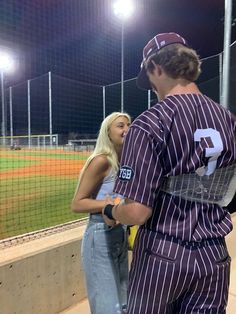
(154, 45)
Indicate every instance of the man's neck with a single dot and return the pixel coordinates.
(177, 87)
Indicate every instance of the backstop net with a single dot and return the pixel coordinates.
(50, 121)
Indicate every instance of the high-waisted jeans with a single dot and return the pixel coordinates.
(105, 262)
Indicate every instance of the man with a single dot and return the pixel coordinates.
(177, 174)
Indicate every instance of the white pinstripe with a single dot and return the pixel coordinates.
(159, 146)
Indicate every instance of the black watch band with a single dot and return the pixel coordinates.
(108, 211)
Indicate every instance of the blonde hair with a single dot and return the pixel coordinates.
(104, 145)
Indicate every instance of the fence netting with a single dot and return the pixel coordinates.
(51, 123)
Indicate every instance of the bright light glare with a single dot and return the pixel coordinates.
(123, 8)
(6, 62)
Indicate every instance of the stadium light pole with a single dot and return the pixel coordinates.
(6, 64)
(226, 53)
(123, 9)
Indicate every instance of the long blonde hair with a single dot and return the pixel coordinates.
(104, 145)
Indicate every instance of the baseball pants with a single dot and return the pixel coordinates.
(173, 276)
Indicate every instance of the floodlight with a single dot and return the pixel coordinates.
(6, 62)
(123, 8)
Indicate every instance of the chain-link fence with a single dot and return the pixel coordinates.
(46, 120)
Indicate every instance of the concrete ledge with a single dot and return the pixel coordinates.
(43, 275)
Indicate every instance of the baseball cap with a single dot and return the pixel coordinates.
(154, 45)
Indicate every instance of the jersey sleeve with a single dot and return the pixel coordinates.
(140, 173)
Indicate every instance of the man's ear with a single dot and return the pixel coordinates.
(159, 69)
(156, 68)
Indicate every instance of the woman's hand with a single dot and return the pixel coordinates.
(109, 222)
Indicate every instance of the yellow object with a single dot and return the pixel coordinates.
(132, 231)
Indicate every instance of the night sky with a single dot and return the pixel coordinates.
(81, 39)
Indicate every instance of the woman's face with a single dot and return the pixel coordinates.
(118, 130)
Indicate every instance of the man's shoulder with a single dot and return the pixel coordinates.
(148, 122)
(150, 115)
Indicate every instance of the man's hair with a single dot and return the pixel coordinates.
(178, 61)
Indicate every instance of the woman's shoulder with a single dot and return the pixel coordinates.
(101, 162)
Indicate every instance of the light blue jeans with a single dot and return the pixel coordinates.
(105, 263)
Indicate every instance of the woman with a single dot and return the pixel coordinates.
(104, 248)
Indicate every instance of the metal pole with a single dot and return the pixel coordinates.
(122, 65)
(104, 101)
(226, 56)
(11, 118)
(149, 99)
(50, 105)
(44, 142)
(220, 77)
(29, 117)
(3, 111)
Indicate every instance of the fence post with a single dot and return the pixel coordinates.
(11, 118)
(226, 55)
(104, 101)
(3, 111)
(50, 104)
(29, 116)
(220, 77)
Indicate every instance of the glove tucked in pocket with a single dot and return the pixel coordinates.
(132, 231)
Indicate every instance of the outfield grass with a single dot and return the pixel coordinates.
(13, 163)
(34, 201)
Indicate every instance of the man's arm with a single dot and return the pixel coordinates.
(128, 213)
(139, 178)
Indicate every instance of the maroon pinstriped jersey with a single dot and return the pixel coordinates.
(179, 135)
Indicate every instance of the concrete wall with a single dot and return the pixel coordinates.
(43, 275)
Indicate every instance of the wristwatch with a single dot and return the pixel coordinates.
(108, 211)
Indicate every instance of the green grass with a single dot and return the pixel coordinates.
(35, 203)
(13, 163)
